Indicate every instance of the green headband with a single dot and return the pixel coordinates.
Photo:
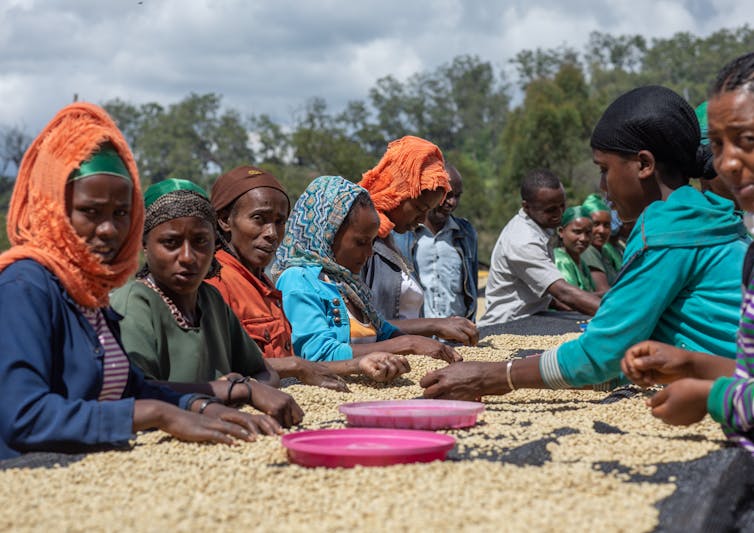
(701, 116)
(105, 161)
(164, 187)
(594, 203)
(572, 213)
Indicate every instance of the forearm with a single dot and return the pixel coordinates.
(190, 388)
(575, 298)
(707, 366)
(525, 373)
(399, 344)
(416, 326)
(268, 376)
(294, 367)
(149, 414)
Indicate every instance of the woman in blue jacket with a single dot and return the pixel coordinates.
(75, 223)
(679, 282)
(328, 239)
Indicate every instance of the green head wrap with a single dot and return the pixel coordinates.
(572, 213)
(594, 203)
(701, 116)
(164, 187)
(104, 161)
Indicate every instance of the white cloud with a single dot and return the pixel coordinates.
(270, 56)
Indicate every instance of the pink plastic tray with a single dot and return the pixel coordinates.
(413, 414)
(367, 447)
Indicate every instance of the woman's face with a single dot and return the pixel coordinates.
(352, 246)
(731, 133)
(576, 235)
(600, 228)
(411, 212)
(620, 179)
(99, 208)
(257, 225)
(179, 253)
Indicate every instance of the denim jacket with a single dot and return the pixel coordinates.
(465, 243)
(51, 371)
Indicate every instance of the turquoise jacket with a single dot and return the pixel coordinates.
(318, 316)
(680, 284)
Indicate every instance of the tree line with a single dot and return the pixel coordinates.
(492, 126)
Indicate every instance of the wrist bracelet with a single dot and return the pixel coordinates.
(508, 374)
(236, 381)
(207, 402)
(195, 397)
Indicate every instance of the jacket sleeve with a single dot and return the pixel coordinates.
(313, 338)
(32, 417)
(629, 313)
(731, 403)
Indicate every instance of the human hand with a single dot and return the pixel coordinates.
(254, 424)
(681, 403)
(382, 366)
(428, 346)
(457, 329)
(194, 427)
(465, 381)
(279, 405)
(319, 375)
(651, 362)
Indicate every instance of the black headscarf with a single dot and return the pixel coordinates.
(656, 119)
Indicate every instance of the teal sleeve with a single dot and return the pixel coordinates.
(312, 336)
(629, 313)
(138, 333)
(716, 403)
(387, 331)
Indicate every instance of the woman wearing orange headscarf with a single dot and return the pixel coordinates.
(75, 223)
(408, 182)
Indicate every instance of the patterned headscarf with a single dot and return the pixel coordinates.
(410, 165)
(176, 198)
(310, 232)
(38, 225)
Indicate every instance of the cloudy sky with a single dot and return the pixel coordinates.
(269, 56)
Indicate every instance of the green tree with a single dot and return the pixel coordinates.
(193, 139)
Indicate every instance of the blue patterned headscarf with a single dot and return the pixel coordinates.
(309, 234)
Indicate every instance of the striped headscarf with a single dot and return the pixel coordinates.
(38, 224)
(310, 232)
(410, 165)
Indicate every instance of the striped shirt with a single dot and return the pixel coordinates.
(115, 364)
(731, 400)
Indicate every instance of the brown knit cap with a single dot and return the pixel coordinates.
(238, 181)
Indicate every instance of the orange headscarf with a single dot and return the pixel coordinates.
(410, 165)
(38, 225)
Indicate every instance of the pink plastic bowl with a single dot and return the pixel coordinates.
(413, 414)
(367, 447)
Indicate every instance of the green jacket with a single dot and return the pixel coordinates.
(680, 284)
(166, 352)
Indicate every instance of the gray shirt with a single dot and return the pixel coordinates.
(521, 270)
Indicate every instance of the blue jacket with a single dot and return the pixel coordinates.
(680, 284)
(51, 371)
(319, 332)
(465, 242)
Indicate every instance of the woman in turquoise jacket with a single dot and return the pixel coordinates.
(679, 283)
(328, 239)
